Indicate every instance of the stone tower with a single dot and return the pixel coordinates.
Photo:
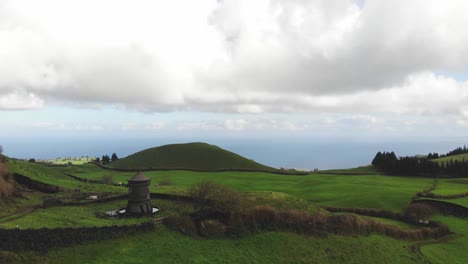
(139, 195)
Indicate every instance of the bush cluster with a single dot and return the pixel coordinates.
(266, 218)
(209, 194)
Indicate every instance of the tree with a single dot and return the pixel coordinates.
(209, 194)
(114, 157)
(1, 149)
(107, 179)
(105, 159)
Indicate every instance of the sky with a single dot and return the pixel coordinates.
(367, 70)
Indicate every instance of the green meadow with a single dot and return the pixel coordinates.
(361, 187)
(368, 191)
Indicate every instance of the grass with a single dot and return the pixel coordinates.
(200, 156)
(451, 186)
(53, 176)
(85, 215)
(453, 251)
(369, 191)
(269, 247)
(281, 191)
(460, 201)
(459, 157)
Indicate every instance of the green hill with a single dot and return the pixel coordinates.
(196, 156)
(458, 157)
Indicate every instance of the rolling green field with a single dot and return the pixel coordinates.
(164, 246)
(368, 191)
(451, 186)
(53, 176)
(280, 191)
(453, 251)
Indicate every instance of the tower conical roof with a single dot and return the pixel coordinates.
(139, 177)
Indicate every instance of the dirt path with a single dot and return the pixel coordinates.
(23, 211)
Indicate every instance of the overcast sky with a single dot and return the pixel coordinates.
(287, 68)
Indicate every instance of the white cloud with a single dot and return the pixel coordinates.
(236, 55)
(20, 101)
(237, 124)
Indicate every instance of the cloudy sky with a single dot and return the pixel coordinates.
(283, 68)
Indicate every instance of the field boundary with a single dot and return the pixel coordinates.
(198, 170)
(37, 185)
(446, 208)
(44, 239)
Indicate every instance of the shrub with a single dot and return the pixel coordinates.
(209, 194)
(107, 179)
(212, 228)
(418, 211)
(181, 223)
(7, 184)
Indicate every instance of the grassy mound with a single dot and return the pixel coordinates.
(196, 156)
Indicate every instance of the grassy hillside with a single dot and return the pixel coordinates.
(259, 188)
(163, 246)
(199, 156)
(459, 157)
(52, 176)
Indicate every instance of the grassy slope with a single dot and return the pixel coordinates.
(190, 156)
(451, 186)
(165, 246)
(459, 157)
(453, 251)
(373, 191)
(171, 247)
(53, 176)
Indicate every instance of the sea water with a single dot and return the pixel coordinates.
(299, 153)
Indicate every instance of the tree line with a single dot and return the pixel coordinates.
(106, 159)
(418, 166)
(454, 152)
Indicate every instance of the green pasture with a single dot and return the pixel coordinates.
(164, 246)
(51, 175)
(369, 191)
(451, 186)
(86, 215)
(453, 251)
(280, 191)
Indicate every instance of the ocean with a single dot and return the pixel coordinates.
(276, 152)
